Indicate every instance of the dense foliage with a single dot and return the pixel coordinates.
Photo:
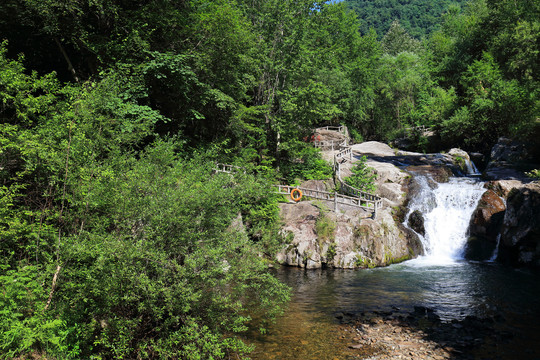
(117, 239)
(419, 17)
(473, 80)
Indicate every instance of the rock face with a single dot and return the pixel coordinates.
(487, 219)
(504, 157)
(485, 226)
(416, 222)
(348, 238)
(503, 187)
(356, 240)
(520, 235)
(438, 173)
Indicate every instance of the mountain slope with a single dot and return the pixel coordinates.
(418, 17)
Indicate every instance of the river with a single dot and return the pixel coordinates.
(442, 280)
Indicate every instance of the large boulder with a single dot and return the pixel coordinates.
(461, 161)
(503, 187)
(356, 240)
(487, 219)
(509, 158)
(299, 230)
(520, 235)
(485, 226)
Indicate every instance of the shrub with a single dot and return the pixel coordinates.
(363, 177)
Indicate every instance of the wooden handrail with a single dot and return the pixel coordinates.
(343, 156)
(340, 128)
(354, 197)
(335, 197)
(229, 169)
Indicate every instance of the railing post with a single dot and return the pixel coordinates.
(335, 202)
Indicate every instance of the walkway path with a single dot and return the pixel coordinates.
(349, 195)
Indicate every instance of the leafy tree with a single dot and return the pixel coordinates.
(396, 40)
(401, 80)
(494, 97)
(92, 202)
(419, 17)
(363, 177)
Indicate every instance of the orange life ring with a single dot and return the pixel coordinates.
(298, 196)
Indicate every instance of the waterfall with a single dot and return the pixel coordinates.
(496, 250)
(471, 168)
(447, 209)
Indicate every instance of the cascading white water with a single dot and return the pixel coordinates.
(447, 209)
(471, 168)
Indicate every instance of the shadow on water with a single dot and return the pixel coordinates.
(474, 310)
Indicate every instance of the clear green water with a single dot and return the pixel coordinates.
(309, 329)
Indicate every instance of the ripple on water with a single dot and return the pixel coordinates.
(301, 334)
(309, 328)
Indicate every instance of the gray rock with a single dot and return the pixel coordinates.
(508, 158)
(520, 235)
(416, 222)
(485, 226)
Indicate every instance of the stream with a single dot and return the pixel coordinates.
(442, 281)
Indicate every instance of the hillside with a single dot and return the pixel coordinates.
(418, 17)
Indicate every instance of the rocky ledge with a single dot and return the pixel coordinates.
(508, 215)
(349, 238)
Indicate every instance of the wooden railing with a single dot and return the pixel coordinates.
(328, 196)
(332, 144)
(340, 128)
(421, 128)
(342, 155)
(353, 197)
(229, 169)
(374, 201)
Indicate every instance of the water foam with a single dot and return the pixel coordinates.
(447, 210)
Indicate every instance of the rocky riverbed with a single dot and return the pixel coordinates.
(394, 334)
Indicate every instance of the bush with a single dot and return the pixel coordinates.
(304, 162)
(363, 177)
(325, 229)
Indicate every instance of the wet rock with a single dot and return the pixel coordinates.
(461, 160)
(487, 217)
(412, 337)
(438, 173)
(509, 159)
(416, 222)
(503, 187)
(520, 235)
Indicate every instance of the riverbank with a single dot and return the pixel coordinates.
(389, 335)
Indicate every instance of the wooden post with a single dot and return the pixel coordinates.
(375, 206)
(335, 202)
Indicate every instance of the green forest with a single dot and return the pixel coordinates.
(116, 238)
(419, 17)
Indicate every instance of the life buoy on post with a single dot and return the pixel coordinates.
(296, 194)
